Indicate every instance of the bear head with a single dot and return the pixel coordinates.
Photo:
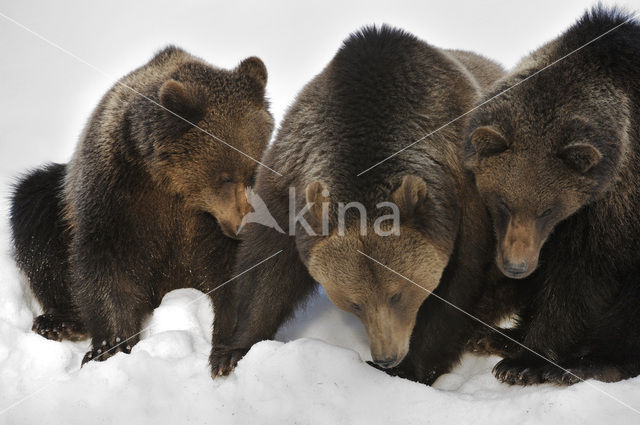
(209, 130)
(540, 152)
(383, 270)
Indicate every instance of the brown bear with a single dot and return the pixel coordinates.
(556, 159)
(150, 202)
(383, 90)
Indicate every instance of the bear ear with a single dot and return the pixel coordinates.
(488, 141)
(580, 157)
(316, 194)
(410, 195)
(176, 97)
(254, 68)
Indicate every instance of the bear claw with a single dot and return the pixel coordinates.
(224, 361)
(518, 372)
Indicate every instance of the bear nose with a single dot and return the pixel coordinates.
(386, 363)
(515, 269)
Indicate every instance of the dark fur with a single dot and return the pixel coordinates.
(582, 206)
(383, 90)
(138, 210)
(42, 240)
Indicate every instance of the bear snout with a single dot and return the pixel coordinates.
(387, 363)
(389, 342)
(515, 269)
(230, 230)
(517, 265)
(520, 248)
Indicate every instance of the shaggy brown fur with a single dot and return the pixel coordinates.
(383, 90)
(557, 161)
(149, 202)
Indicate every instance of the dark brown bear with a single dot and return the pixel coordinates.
(149, 203)
(557, 161)
(383, 90)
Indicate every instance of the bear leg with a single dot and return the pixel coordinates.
(41, 239)
(260, 299)
(113, 308)
(115, 329)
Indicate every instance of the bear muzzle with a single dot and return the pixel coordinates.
(519, 251)
(388, 340)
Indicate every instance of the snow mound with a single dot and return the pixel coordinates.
(315, 373)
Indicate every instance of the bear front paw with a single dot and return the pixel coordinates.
(107, 348)
(519, 371)
(223, 361)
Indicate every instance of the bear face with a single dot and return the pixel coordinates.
(386, 301)
(211, 163)
(538, 162)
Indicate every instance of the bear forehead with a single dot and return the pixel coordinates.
(227, 87)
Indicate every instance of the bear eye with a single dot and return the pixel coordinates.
(395, 298)
(545, 213)
(503, 205)
(226, 179)
(355, 307)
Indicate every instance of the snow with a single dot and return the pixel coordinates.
(315, 372)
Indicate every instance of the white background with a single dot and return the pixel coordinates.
(46, 97)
